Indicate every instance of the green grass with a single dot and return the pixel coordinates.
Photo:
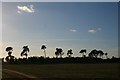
(67, 70)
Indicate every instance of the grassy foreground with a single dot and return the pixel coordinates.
(65, 71)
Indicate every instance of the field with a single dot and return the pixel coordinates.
(62, 71)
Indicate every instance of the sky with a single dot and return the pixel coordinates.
(60, 0)
(68, 25)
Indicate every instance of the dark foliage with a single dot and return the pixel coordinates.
(83, 51)
(69, 53)
(59, 52)
(95, 56)
(75, 60)
(9, 58)
(25, 50)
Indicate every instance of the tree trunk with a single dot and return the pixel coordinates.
(45, 53)
(106, 57)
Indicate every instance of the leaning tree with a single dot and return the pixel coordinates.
(25, 51)
(43, 47)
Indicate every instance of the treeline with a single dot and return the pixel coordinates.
(47, 60)
(58, 53)
(94, 56)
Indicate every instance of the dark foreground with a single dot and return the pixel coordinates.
(61, 72)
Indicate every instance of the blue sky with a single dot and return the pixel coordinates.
(60, 1)
(66, 25)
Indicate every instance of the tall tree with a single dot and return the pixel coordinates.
(25, 51)
(83, 51)
(43, 47)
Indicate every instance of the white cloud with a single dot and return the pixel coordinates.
(29, 9)
(73, 30)
(94, 30)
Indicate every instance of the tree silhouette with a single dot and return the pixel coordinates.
(106, 54)
(9, 50)
(101, 53)
(69, 53)
(83, 51)
(59, 52)
(25, 50)
(93, 53)
(43, 47)
(9, 58)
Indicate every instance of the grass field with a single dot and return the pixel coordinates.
(64, 71)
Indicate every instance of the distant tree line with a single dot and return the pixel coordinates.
(93, 56)
(54, 60)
